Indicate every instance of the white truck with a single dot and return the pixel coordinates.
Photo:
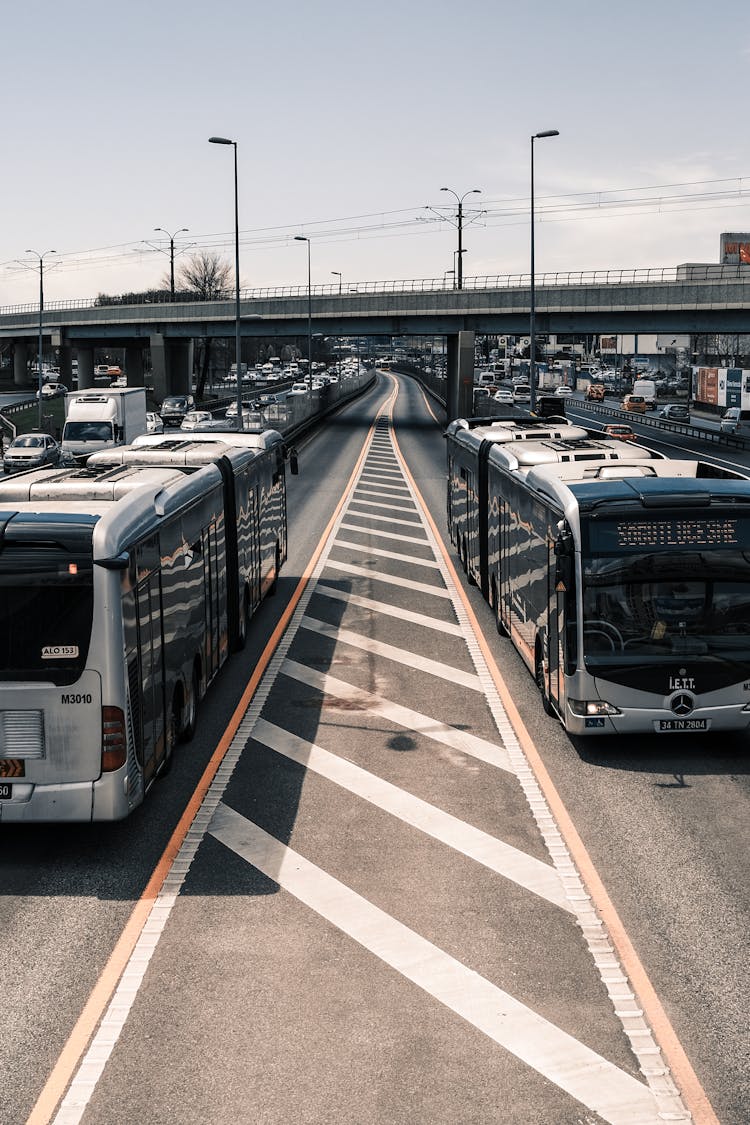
(647, 389)
(97, 420)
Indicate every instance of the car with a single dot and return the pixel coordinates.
(504, 395)
(522, 392)
(595, 392)
(154, 424)
(617, 430)
(52, 390)
(31, 451)
(194, 419)
(298, 389)
(634, 403)
(174, 408)
(561, 391)
(247, 404)
(675, 412)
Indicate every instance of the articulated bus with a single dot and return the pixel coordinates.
(623, 581)
(123, 590)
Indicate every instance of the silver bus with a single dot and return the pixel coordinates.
(123, 589)
(623, 583)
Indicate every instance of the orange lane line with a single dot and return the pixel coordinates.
(678, 1062)
(85, 1026)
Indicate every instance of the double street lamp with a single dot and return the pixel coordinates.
(171, 238)
(532, 301)
(237, 325)
(40, 380)
(304, 238)
(460, 200)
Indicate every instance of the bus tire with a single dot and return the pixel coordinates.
(170, 739)
(541, 683)
(495, 601)
(277, 567)
(243, 623)
(190, 712)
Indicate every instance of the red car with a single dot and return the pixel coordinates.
(617, 430)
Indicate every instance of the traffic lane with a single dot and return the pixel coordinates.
(665, 823)
(68, 890)
(281, 984)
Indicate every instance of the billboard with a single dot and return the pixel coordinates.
(735, 249)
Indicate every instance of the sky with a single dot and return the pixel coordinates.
(349, 117)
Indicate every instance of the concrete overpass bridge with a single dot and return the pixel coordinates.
(681, 299)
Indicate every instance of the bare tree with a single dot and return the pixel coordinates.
(207, 277)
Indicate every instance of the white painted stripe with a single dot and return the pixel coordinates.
(380, 553)
(382, 488)
(390, 610)
(392, 506)
(605, 1089)
(389, 579)
(381, 534)
(371, 704)
(390, 652)
(381, 473)
(516, 866)
(416, 524)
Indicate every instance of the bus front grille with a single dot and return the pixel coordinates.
(21, 734)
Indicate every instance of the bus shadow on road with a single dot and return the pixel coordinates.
(672, 763)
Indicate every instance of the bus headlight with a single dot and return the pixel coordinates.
(583, 707)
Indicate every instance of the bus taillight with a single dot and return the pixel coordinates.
(114, 739)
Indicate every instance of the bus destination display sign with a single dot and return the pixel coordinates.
(670, 533)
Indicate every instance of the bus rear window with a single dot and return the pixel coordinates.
(46, 609)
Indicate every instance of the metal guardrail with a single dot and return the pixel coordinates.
(733, 441)
(652, 275)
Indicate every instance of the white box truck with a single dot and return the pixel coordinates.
(97, 420)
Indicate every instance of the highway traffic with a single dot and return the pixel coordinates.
(381, 884)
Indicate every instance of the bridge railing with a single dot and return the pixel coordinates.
(555, 279)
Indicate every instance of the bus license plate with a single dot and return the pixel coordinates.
(683, 724)
(6, 791)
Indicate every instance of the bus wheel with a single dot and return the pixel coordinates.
(541, 683)
(496, 607)
(277, 567)
(242, 624)
(170, 738)
(190, 712)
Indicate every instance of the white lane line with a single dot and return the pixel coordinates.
(532, 874)
(390, 652)
(380, 488)
(389, 579)
(583, 1074)
(390, 520)
(381, 534)
(369, 703)
(392, 506)
(381, 553)
(381, 473)
(376, 606)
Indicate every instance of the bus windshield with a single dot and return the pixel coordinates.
(691, 604)
(46, 608)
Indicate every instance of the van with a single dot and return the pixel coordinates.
(635, 403)
(522, 392)
(731, 420)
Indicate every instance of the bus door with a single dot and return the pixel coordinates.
(211, 600)
(503, 563)
(555, 600)
(146, 664)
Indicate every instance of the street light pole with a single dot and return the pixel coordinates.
(171, 238)
(40, 380)
(237, 320)
(337, 273)
(303, 238)
(532, 302)
(460, 200)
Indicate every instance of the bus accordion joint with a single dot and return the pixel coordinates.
(114, 740)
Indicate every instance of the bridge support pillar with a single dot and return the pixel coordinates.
(20, 363)
(85, 369)
(460, 391)
(172, 366)
(66, 365)
(134, 368)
